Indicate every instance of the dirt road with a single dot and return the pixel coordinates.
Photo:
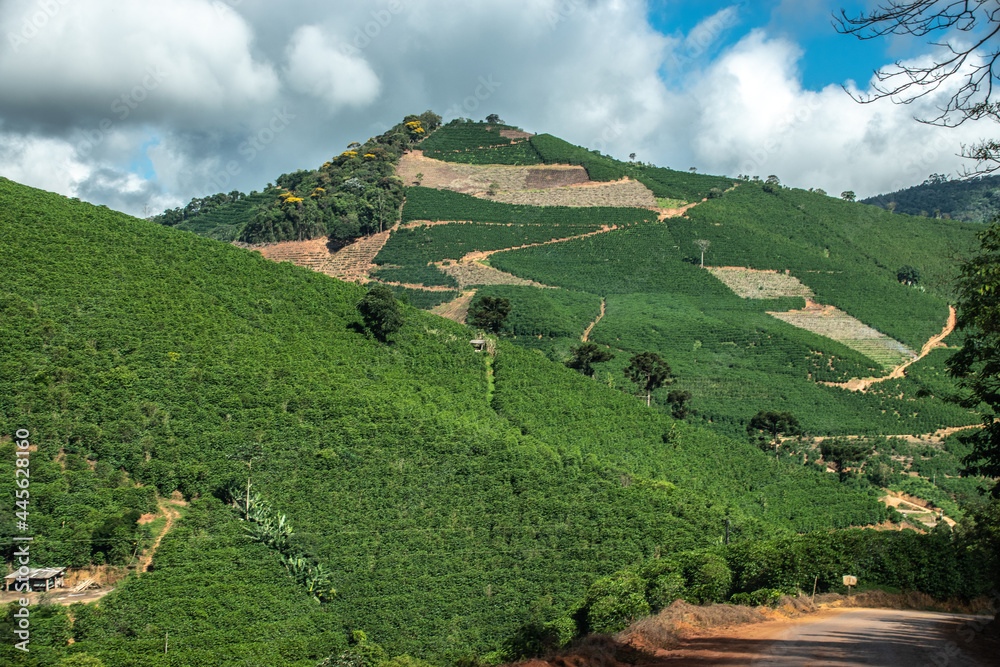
(882, 637)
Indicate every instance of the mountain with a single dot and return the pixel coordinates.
(973, 199)
(350, 498)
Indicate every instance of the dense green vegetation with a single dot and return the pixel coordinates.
(556, 151)
(682, 185)
(429, 204)
(548, 313)
(733, 357)
(478, 143)
(354, 194)
(423, 299)
(442, 515)
(415, 274)
(450, 504)
(941, 564)
(89, 514)
(487, 225)
(220, 217)
(973, 200)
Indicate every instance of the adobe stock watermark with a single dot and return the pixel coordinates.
(34, 22)
(122, 107)
(484, 91)
(951, 652)
(705, 34)
(611, 131)
(225, 7)
(564, 9)
(22, 555)
(925, 160)
(759, 157)
(364, 34)
(252, 146)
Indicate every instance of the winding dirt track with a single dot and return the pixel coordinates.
(593, 324)
(882, 637)
(862, 384)
(171, 513)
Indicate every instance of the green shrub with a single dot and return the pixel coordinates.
(613, 602)
(763, 597)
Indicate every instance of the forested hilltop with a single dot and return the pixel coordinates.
(351, 195)
(970, 199)
(435, 495)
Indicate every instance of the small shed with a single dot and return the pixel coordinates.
(478, 345)
(39, 578)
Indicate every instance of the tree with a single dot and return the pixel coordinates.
(649, 371)
(908, 275)
(380, 311)
(246, 453)
(703, 244)
(977, 363)
(774, 424)
(847, 195)
(844, 453)
(678, 400)
(586, 354)
(490, 312)
(631, 157)
(891, 207)
(493, 118)
(973, 58)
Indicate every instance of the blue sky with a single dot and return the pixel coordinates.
(146, 105)
(828, 57)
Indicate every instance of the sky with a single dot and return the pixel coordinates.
(143, 105)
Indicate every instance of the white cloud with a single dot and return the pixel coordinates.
(213, 77)
(756, 119)
(105, 58)
(333, 74)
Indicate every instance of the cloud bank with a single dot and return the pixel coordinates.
(142, 106)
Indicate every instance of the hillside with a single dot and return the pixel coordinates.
(443, 491)
(799, 303)
(972, 200)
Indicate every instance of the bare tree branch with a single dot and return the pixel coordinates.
(972, 56)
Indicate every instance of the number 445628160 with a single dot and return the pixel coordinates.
(21, 477)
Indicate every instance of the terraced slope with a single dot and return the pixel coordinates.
(839, 326)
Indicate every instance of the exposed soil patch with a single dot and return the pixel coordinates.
(908, 505)
(761, 284)
(312, 254)
(457, 309)
(538, 178)
(475, 178)
(355, 262)
(622, 193)
(515, 134)
(675, 212)
(836, 324)
(474, 273)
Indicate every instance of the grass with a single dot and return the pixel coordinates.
(667, 202)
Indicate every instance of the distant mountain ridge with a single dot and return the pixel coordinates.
(971, 200)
